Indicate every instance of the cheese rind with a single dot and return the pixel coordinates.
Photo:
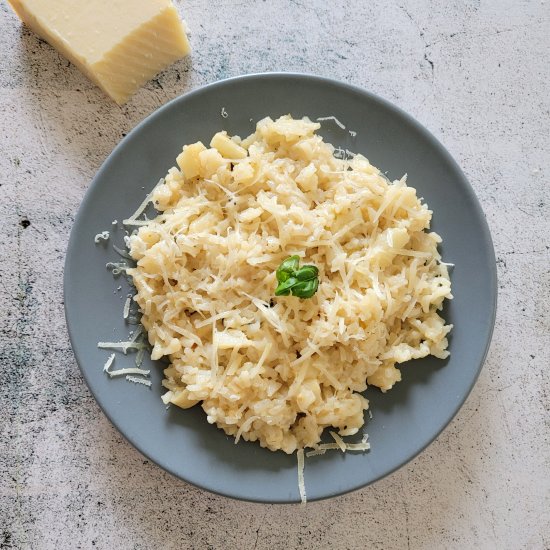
(118, 45)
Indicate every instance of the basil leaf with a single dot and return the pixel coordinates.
(284, 287)
(302, 282)
(287, 268)
(307, 272)
(305, 289)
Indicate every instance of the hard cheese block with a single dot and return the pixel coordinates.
(119, 44)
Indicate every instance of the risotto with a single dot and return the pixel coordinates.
(281, 369)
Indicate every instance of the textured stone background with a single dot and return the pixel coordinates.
(476, 73)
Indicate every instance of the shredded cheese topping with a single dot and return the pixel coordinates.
(301, 484)
(133, 219)
(130, 370)
(103, 236)
(280, 371)
(109, 362)
(338, 123)
(340, 445)
(137, 380)
(126, 310)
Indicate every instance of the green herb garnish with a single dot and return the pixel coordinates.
(302, 282)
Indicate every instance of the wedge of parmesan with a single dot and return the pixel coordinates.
(118, 44)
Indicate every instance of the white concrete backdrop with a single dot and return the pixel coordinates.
(476, 73)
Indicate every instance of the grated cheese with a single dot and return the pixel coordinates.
(121, 252)
(323, 118)
(103, 236)
(126, 310)
(139, 357)
(137, 380)
(322, 449)
(122, 346)
(133, 219)
(340, 445)
(339, 441)
(282, 371)
(130, 370)
(132, 343)
(109, 362)
(301, 484)
(116, 268)
(357, 446)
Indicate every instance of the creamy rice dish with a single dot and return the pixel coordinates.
(279, 369)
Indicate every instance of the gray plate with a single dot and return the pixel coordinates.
(406, 419)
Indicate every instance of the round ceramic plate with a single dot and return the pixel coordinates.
(404, 420)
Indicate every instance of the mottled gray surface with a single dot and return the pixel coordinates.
(476, 74)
